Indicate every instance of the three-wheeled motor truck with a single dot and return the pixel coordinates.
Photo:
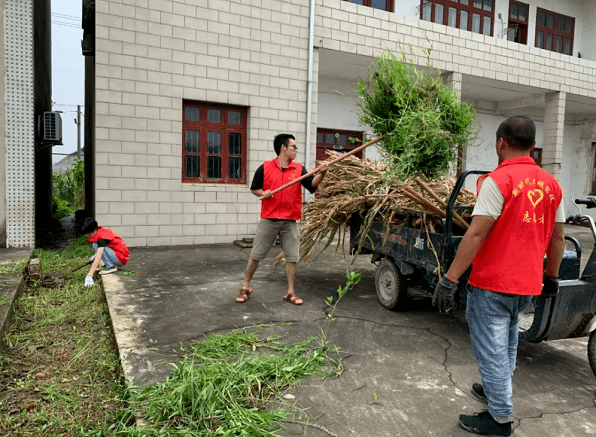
(410, 257)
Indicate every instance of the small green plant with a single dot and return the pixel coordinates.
(352, 279)
(68, 189)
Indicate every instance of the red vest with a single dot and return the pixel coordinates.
(116, 243)
(286, 204)
(510, 259)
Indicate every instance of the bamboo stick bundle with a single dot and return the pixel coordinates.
(356, 186)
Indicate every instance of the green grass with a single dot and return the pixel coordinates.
(60, 375)
(230, 385)
(61, 369)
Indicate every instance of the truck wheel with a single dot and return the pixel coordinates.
(390, 285)
(592, 351)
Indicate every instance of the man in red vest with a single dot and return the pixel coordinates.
(279, 212)
(518, 217)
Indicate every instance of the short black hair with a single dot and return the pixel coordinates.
(89, 225)
(519, 132)
(281, 140)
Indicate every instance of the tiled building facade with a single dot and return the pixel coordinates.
(190, 93)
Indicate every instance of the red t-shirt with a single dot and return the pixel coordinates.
(510, 259)
(114, 242)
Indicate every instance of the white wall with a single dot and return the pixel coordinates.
(586, 46)
(407, 8)
(575, 166)
(337, 109)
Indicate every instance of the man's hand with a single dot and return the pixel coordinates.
(550, 286)
(89, 281)
(444, 297)
(266, 195)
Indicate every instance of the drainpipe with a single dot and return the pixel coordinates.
(311, 38)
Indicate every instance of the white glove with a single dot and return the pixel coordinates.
(92, 258)
(89, 281)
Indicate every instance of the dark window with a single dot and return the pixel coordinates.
(474, 15)
(517, 27)
(214, 139)
(536, 155)
(384, 5)
(339, 140)
(554, 32)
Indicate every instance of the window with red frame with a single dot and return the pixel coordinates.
(474, 15)
(385, 5)
(554, 32)
(213, 143)
(517, 27)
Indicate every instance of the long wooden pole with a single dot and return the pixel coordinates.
(441, 202)
(339, 158)
(429, 206)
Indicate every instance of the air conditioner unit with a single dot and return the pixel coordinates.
(52, 127)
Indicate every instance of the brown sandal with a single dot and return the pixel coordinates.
(244, 294)
(293, 299)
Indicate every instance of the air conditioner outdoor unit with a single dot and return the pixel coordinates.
(52, 127)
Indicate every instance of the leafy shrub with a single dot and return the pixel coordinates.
(422, 119)
(68, 193)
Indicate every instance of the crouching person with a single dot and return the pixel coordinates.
(109, 248)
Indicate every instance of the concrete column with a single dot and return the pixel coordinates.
(554, 126)
(453, 80)
(2, 127)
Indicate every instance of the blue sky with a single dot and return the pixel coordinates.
(68, 71)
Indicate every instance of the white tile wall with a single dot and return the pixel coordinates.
(152, 54)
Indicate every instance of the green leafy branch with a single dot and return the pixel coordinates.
(353, 278)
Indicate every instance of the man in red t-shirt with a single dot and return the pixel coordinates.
(517, 219)
(108, 247)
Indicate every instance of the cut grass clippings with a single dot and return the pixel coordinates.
(60, 374)
(230, 385)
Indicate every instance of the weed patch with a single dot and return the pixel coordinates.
(60, 375)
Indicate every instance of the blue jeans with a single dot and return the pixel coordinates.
(493, 319)
(108, 256)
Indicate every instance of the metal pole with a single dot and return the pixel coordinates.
(78, 131)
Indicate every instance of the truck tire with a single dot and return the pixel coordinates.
(390, 285)
(592, 351)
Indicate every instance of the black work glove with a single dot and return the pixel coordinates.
(444, 297)
(550, 286)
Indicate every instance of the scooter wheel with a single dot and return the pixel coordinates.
(592, 351)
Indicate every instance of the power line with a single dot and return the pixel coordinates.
(67, 17)
(67, 25)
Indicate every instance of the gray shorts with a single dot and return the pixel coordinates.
(289, 237)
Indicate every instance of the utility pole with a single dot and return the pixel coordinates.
(78, 131)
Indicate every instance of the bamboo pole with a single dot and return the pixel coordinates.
(339, 158)
(441, 202)
(426, 204)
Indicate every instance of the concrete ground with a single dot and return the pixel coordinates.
(407, 373)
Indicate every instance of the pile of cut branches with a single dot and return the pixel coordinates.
(355, 186)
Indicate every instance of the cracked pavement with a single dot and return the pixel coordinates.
(407, 373)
